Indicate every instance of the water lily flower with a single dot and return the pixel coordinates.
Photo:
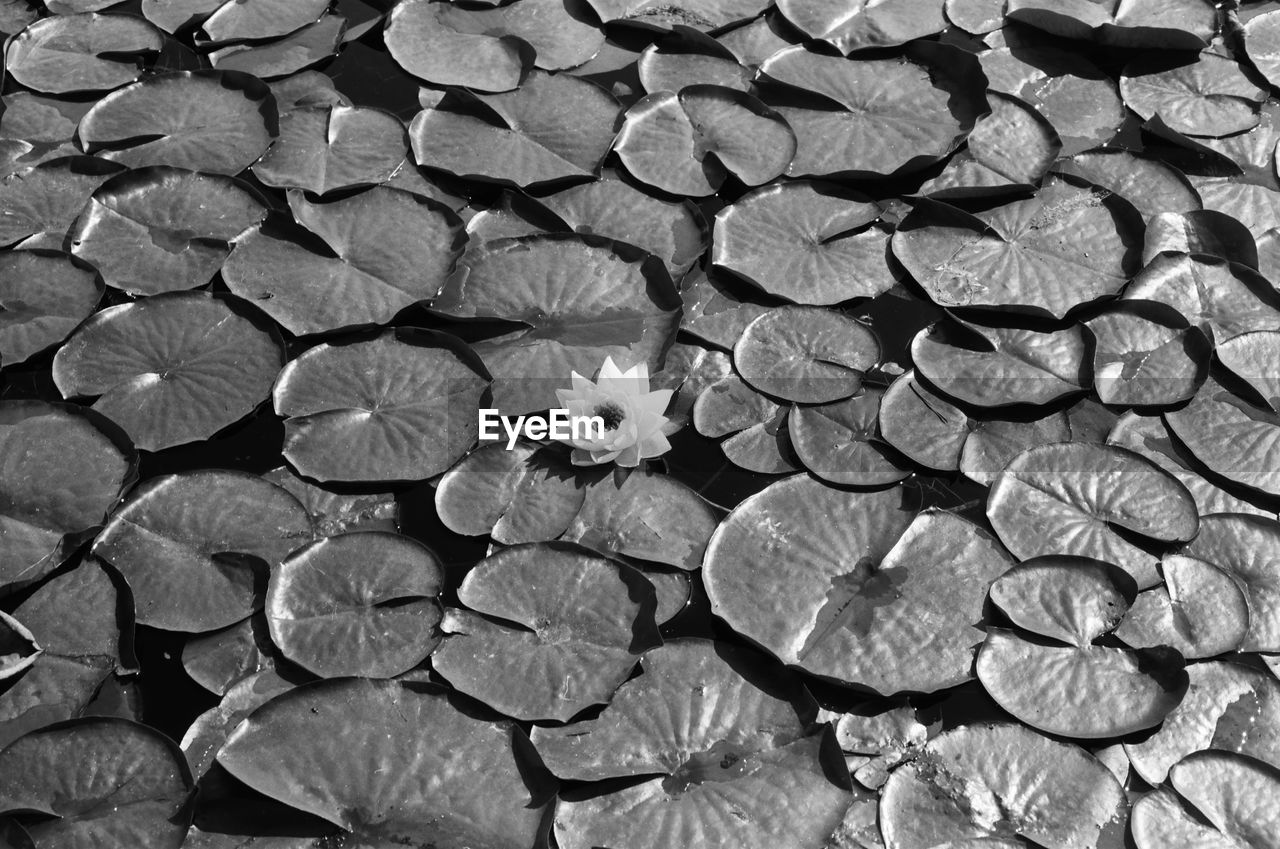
(632, 415)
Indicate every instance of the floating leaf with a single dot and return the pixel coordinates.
(992, 443)
(760, 441)
(1248, 549)
(987, 782)
(1262, 44)
(1008, 366)
(688, 143)
(553, 128)
(1068, 685)
(805, 354)
(334, 513)
(308, 46)
(38, 205)
(356, 604)
(865, 24)
(189, 546)
(524, 494)
(553, 631)
(1231, 792)
(344, 422)
(63, 470)
(81, 52)
(1231, 436)
(214, 121)
(1147, 360)
(210, 730)
(163, 229)
(840, 442)
(174, 15)
(1008, 150)
(1176, 25)
(326, 148)
(1207, 96)
(219, 660)
(457, 780)
(703, 764)
(1199, 611)
(1151, 186)
(1227, 706)
(43, 296)
(1045, 256)
(1065, 498)
(582, 299)
(808, 242)
(253, 20)
(976, 17)
(671, 67)
(104, 782)
(646, 516)
(171, 369)
(486, 49)
(1252, 358)
(874, 117)
(702, 15)
(713, 313)
(386, 250)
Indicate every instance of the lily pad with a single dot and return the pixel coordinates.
(1252, 358)
(1144, 358)
(38, 205)
(162, 229)
(672, 66)
(1067, 684)
(840, 442)
(1177, 25)
(334, 513)
(459, 783)
(689, 142)
(210, 730)
(757, 426)
(344, 422)
(190, 545)
(1151, 186)
(989, 782)
(548, 631)
(63, 471)
(1262, 44)
(808, 242)
(214, 121)
(713, 313)
(356, 604)
(581, 299)
(1044, 256)
(163, 389)
(704, 764)
(924, 426)
(255, 20)
(865, 24)
(1006, 365)
(81, 52)
(67, 771)
(1231, 298)
(220, 659)
(702, 15)
(175, 15)
(1230, 791)
(1066, 498)
(44, 295)
(647, 516)
(1247, 548)
(1009, 150)
(553, 128)
(327, 148)
(993, 442)
(308, 46)
(1231, 436)
(382, 251)
(805, 354)
(526, 494)
(1199, 611)
(874, 117)
(1207, 96)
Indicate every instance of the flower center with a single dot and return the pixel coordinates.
(611, 414)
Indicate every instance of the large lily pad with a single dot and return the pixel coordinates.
(1232, 792)
(1231, 298)
(808, 242)
(1199, 611)
(1207, 96)
(840, 442)
(988, 782)
(581, 298)
(1247, 548)
(63, 471)
(81, 52)
(44, 295)
(104, 782)
(873, 117)
(1181, 24)
(705, 764)
(809, 355)
(487, 48)
(1146, 357)
(192, 545)
(171, 369)
(689, 142)
(162, 229)
(1231, 436)
(384, 250)
(1065, 247)
(457, 781)
(864, 24)
(1252, 358)
(38, 205)
(1001, 366)
(1067, 684)
(548, 631)
(356, 604)
(215, 121)
(327, 148)
(254, 20)
(553, 128)
(1151, 186)
(308, 46)
(1065, 498)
